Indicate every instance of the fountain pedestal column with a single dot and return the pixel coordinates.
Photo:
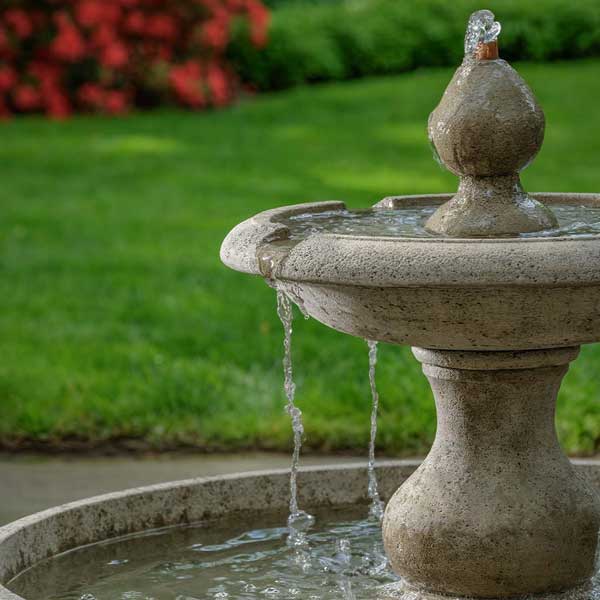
(496, 509)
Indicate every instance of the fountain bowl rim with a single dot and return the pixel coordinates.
(380, 261)
(31, 539)
(26, 542)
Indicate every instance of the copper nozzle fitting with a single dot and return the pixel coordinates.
(487, 51)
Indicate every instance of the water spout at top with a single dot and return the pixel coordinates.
(481, 39)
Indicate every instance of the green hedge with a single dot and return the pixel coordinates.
(353, 38)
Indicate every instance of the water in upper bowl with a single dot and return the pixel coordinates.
(409, 222)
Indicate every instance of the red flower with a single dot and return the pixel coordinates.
(7, 50)
(19, 22)
(218, 85)
(135, 22)
(185, 80)
(68, 45)
(114, 56)
(57, 105)
(210, 5)
(91, 95)
(26, 97)
(215, 33)
(259, 23)
(128, 45)
(103, 36)
(90, 13)
(236, 5)
(38, 19)
(161, 26)
(4, 42)
(48, 74)
(112, 12)
(164, 52)
(8, 78)
(115, 102)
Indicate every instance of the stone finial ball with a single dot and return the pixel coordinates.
(488, 121)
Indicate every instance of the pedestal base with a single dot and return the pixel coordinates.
(404, 591)
(496, 509)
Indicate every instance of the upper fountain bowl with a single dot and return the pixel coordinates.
(509, 293)
(490, 268)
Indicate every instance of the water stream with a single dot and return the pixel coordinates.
(338, 556)
(299, 521)
(377, 506)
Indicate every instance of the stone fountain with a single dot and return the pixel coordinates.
(494, 313)
(495, 289)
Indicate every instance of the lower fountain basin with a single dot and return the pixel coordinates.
(28, 541)
(515, 293)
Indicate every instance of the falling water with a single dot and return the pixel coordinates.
(376, 508)
(344, 556)
(299, 521)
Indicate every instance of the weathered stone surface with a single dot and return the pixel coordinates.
(404, 591)
(240, 249)
(486, 294)
(488, 206)
(31, 539)
(496, 509)
(469, 318)
(487, 127)
(488, 122)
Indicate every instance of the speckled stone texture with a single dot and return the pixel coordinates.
(31, 539)
(496, 509)
(487, 127)
(491, 206)
(240, 250)
(473, 300)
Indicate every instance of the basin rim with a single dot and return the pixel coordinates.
(25, 542)
(354, 260)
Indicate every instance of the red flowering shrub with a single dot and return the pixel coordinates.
(60, 56)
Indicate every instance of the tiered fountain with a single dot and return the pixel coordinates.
(495, 290)
(494, 312)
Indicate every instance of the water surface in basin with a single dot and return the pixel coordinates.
(235, 561)
(221, 562)
(409, 222)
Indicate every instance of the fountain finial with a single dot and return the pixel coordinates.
(487, 127)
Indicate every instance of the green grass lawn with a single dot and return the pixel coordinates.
(117, 319)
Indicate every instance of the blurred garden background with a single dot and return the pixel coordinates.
(137, 133)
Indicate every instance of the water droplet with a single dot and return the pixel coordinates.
(118, 562)
(436, 155)
(271, 592)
